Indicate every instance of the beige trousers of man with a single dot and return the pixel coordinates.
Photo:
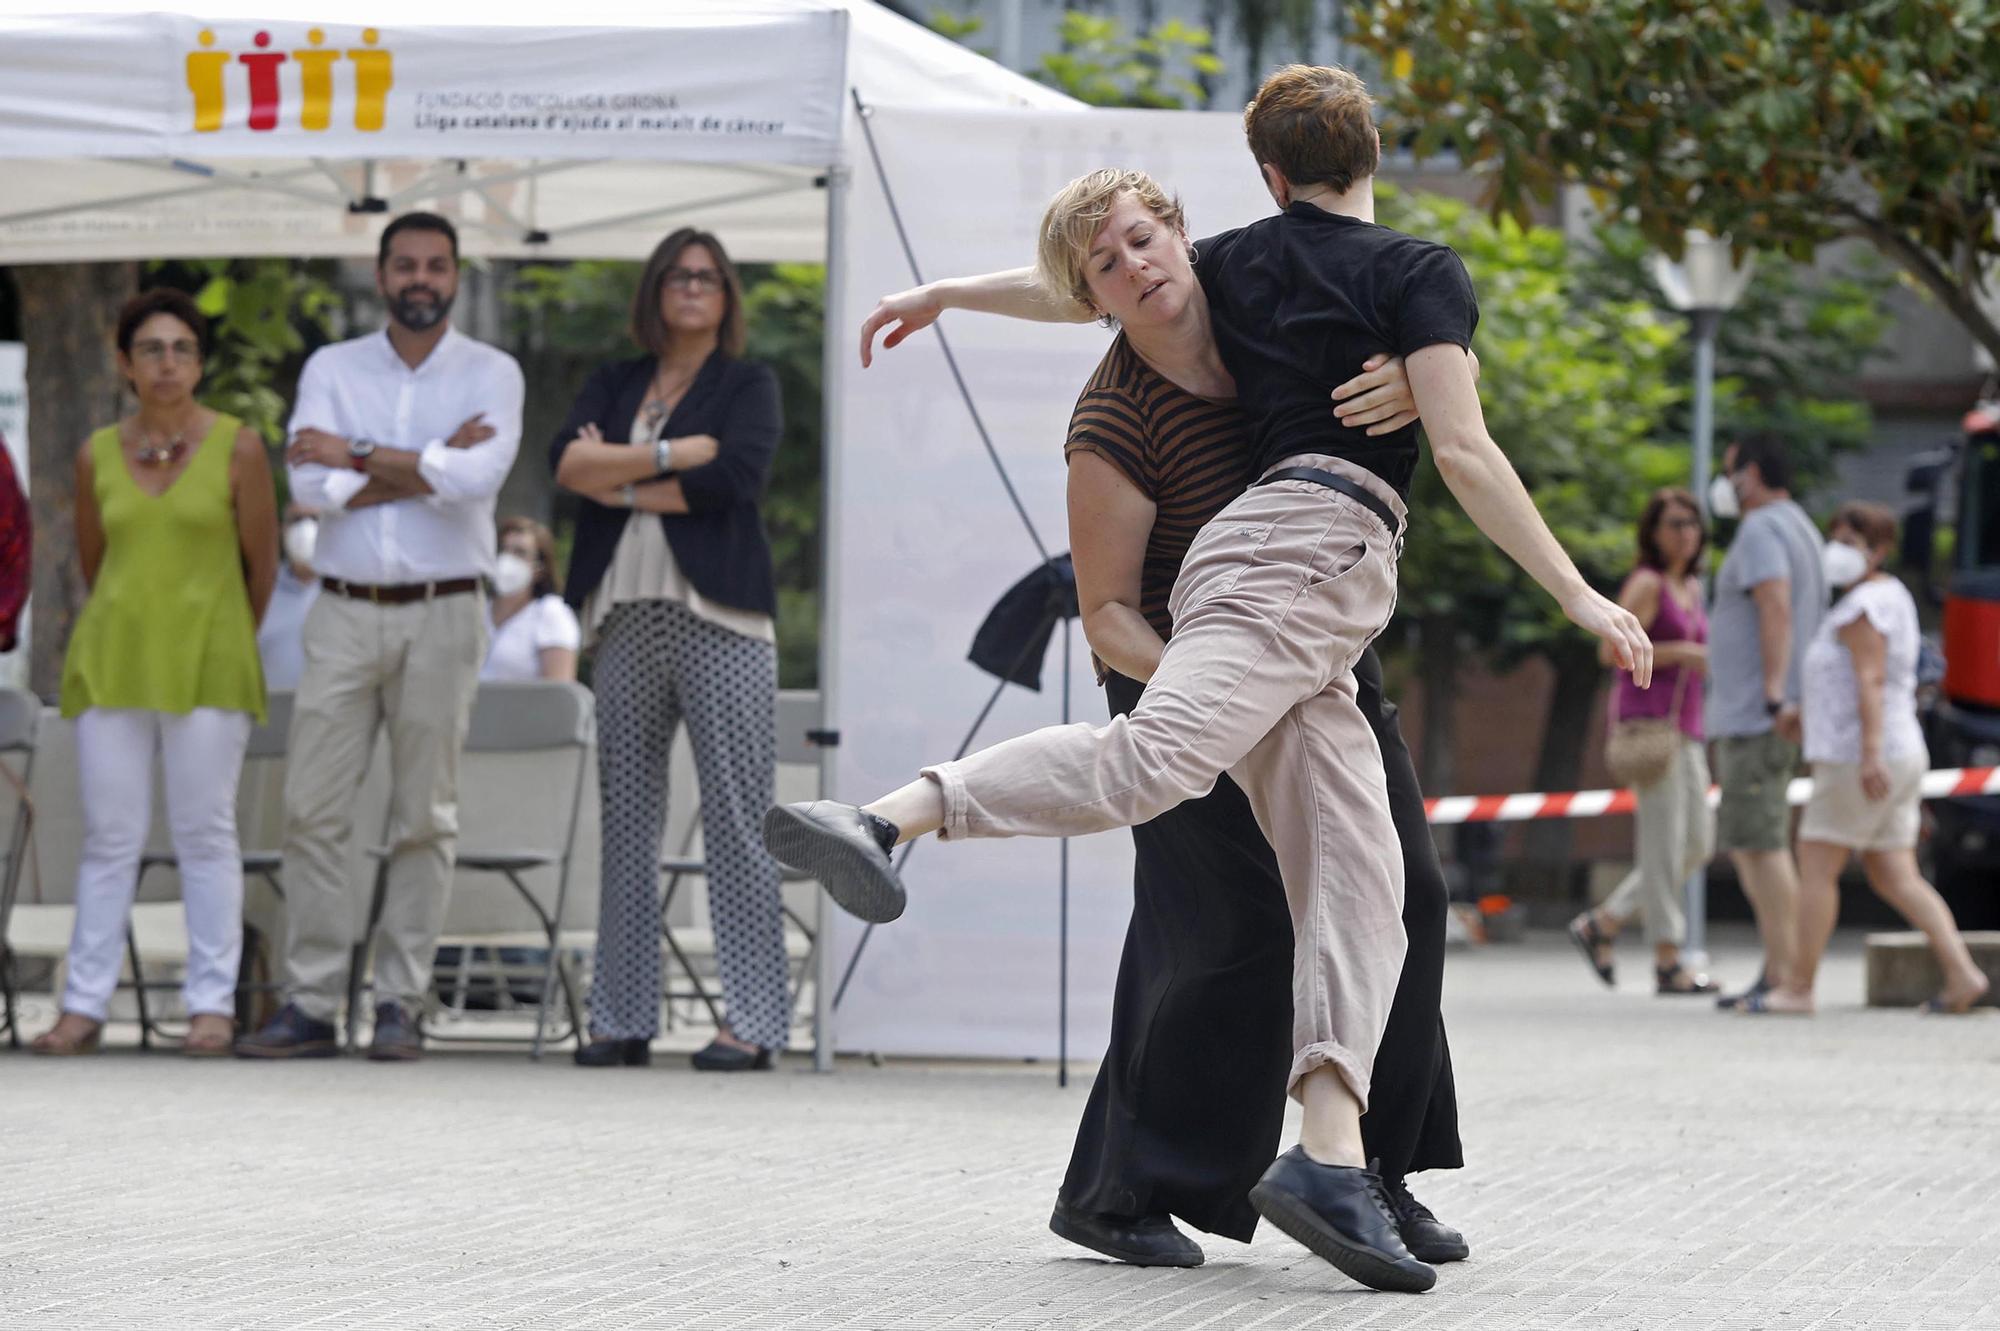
(412, 668)
(1280, 594)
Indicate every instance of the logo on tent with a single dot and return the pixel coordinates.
(208, 79)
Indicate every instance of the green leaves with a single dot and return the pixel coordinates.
(259, 311)
(1784, 126)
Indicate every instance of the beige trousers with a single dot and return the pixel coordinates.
(412, 669)
(1280, 594)
(1675, 836)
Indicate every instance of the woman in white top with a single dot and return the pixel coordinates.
(1868, 759)
(535, 635)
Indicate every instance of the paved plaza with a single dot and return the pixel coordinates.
(1634, 1163)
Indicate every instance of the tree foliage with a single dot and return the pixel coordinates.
(1101, 63)
(1781, 125)
(262, 314)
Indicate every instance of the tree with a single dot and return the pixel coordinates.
(1100, 63)
(1575, 385)
(68, 311)
(1781, 125)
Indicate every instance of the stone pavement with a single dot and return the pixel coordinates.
(1634, 1163)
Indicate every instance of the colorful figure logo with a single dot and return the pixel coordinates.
(207, 79)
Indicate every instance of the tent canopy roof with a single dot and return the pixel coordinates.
(241, 130)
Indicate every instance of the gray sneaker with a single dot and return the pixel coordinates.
(846, 849)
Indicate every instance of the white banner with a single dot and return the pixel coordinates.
(927, 541)
(722, 84)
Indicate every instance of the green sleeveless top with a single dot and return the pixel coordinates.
(168, 625)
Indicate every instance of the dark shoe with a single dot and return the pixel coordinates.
(1678, 979)
(1149, 1240)
(291, 1034)
(1583, 931)
(846, 849)
(397, 1038)
(1428, 1238)
(1730, 1002)
(1341, 1213)
(716, 1056)
(615, 1053)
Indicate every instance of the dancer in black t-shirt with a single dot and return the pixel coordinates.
(1278, 597)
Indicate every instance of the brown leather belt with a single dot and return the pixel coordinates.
(402, 593)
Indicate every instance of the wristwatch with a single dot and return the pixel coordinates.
(358, 451)
(1772, 706)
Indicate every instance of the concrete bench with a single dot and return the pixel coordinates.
(1903, 973)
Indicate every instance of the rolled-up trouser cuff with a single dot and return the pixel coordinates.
(1354, 1071)
(951, 784)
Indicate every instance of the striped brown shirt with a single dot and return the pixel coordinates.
(1189, 455)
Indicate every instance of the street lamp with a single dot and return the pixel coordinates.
(1706, 283)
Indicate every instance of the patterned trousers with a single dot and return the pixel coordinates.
(658, 663)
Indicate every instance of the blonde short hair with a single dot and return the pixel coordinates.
(1076, 214)
(1316, 124)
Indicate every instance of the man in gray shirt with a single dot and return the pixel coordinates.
(1769, 597)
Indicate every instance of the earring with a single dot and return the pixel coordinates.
(1194, 254)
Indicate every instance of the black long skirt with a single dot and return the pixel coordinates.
(1186, 1112)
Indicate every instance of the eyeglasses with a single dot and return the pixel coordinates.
(1682, 524)
(694, 279)
(154, 350)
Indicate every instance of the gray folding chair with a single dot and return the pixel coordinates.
(798, 722)
(267, 744)
(544, 716)
(20, 714)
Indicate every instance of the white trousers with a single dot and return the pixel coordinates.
(202, 754)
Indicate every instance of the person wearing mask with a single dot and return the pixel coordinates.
(178, 539)
(281, 637)
(1769, 597)
(400, 439)
(1868, 762)
(1675, 831)
(671, 451)
(533, 631)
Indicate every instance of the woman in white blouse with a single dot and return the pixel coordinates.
(1868, 759)
(535, 635)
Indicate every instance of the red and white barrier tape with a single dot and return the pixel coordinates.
(1938, 784)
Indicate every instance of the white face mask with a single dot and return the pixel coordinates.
(511, 574)
(1844, 565)
(301, 538)
(1722, 501)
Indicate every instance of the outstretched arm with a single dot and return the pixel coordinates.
(1483, 481)
(1015, 294)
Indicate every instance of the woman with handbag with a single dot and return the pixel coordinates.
(1655, 747)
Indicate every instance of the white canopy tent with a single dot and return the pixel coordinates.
(130, 133)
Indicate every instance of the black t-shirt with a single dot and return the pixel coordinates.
(1301, 299)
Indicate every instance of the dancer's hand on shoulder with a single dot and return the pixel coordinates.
(1620, 629)
(910, 311)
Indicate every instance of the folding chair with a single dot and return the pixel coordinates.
(20, 714)
(798, 722)
(267, 744)
(544, 716)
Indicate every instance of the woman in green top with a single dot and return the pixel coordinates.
(176, 526)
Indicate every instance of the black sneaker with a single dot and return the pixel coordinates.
(1428, 1238)
(397, 1037)
(1149, 1240)
(290, 1034)
(846, 849)
(1341, 1213)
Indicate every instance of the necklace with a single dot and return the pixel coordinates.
(154, 453)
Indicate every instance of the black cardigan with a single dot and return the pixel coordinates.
(719, 542)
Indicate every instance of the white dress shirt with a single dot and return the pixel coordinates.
(361, 389)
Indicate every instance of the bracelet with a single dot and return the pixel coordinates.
(663, 455)
(628, 494)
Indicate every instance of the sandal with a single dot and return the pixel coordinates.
(1678, 979)
(1757, 1003)
(1583, 931)
(53, 1044)
(215, 1043)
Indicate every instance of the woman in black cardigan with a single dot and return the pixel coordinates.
(671, 575)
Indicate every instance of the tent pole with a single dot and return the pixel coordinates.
(832, 377)
(1062, 968)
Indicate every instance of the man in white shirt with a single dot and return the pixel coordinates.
(400, 440)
